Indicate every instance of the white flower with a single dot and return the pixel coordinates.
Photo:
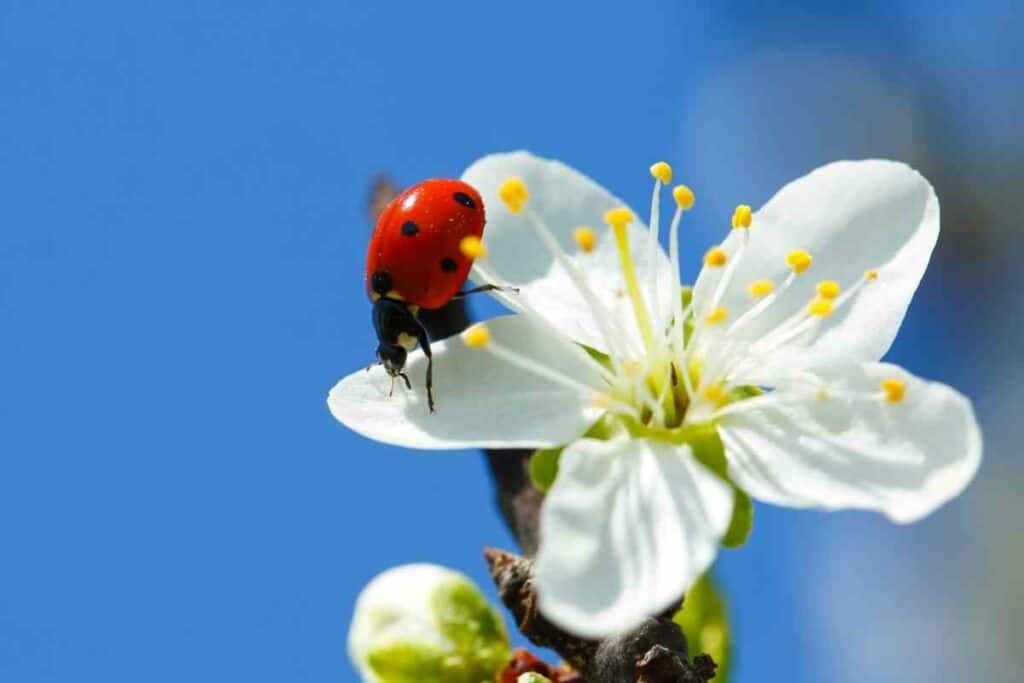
(425, 623)
(775, 359)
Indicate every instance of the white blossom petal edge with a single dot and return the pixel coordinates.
(627, 527)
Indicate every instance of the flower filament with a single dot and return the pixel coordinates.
(694, 365)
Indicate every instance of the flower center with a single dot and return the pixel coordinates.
(696, 362)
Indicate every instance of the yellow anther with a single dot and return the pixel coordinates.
(714, 393)
(601, 400)
(821, 308)
(715, 257)
(513, 194)
(828, 289)
(472, 247)
(871, 274)
(822, 394)
(477, 336)
(716, 316)
(662, 172)
(761, 288)
(742, 216)
(684, 197)
(585, 238)
(894, 390)
(799, 260)
(618, 218)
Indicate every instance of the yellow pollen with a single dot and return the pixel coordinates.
(513, 194)
(714, 393)
(799, 260)
(683, 196)
(894, 390)
(472, 247)
(585, 238)
(828, 289)
(662, 172)
(715, 258)
(618, 218)
(821, 308)
(822, 394)
(761, 288)
(477, 336)
(742, 216)
(871, 274)
(716, 316)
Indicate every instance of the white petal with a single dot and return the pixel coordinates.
(481, 400)
(904, 459)
(626, 529)
(851, 216)
(564, 199)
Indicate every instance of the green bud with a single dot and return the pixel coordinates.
(533, 678)
(421, 623)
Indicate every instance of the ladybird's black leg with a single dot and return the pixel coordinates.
(484, 288)
(391, 391)
(425, 345)
(408, 384)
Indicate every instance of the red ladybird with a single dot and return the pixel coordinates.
(415, 261)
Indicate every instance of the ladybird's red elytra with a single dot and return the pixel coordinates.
(414, 262)
(415, 245)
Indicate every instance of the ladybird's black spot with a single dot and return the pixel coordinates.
(410, 229)
(465, 200)
(449, 265)
(381, 282)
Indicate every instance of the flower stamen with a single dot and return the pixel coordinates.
(619, 220)
(585, 238)
(472, 247)
(894, 389)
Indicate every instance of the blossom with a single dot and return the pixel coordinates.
(425, 623)
(670, 405)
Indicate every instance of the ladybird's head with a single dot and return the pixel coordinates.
(392, 357)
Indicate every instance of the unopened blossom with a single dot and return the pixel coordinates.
(766, 381)
(426, 623)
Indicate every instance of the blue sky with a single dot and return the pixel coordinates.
(182, 235)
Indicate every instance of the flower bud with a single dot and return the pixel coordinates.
(426, 623)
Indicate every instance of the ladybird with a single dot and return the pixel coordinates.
(415, 262)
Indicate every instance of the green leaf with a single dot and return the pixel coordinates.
(742, 522)
(705, 623)
(466, 619)
(543, 467)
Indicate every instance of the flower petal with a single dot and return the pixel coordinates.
(564, 199)
(482, 401)
(851, 216)
(626, 529)
(902, 459)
